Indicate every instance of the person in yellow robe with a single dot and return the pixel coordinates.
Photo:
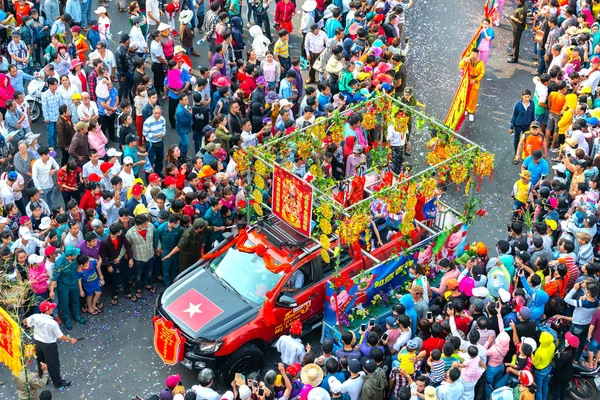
(476, 73)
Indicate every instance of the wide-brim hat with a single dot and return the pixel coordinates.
(186, 16)
(163, 27)
(311, 374)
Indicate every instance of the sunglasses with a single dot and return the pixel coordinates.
(128, 165)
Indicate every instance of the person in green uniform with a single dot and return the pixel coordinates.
(190, 244)
(518, 21)
(213, 218)
(412, 102)
(64, 277)
(166, 239)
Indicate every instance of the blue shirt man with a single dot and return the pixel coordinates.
(17, 77)
(285, 88)
(537, 166)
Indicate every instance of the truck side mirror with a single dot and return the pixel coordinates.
(286, 301)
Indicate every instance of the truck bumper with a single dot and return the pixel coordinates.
(195, 362)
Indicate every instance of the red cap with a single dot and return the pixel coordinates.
(294, 369)
(94, 178)
(169, 180)
(76, 29)
(24, 219)
(137, 190)
(105, 166)
(172, 381)
(296, 328)
(596, 60)
(48, 251)
(154, 177)
(46, 305)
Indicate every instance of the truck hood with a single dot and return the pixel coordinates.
(203, 308)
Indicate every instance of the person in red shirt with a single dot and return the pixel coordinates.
(22, 8)
(88, 200)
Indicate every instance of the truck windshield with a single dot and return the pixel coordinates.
(246, 273)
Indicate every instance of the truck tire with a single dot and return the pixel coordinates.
(248, 358)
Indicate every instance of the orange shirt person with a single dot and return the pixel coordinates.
(531, 141)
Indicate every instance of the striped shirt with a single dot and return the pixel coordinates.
(143, 249)
(437, 371)
(155, 129)
(50, 103)
(281, 49)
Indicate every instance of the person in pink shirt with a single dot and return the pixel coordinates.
(450, 271)
(38, 277)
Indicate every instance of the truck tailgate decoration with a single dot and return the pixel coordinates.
(168, 341)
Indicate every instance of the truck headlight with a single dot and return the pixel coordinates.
(209, 347)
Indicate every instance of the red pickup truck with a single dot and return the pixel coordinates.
(218, 303)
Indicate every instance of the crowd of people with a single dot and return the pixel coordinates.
(133, 212)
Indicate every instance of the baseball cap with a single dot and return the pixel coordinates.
(105, 166)
(173, 380)
(154, 177)
(334, 385)
(94, 178)
(48, 251)
(412, 345)
(137, 190)
(34, 259)
(261, 80)
(244, 392)
(596, 60)
(24, 219)
(369, 365)
(294, 369)
(12, 175)
(296, 328)
(210, 147)
(46, 305)
(45, 223)
(572, 340)
(525, 312)
(354, 365)
(430, 393)
(25, 233)
(590, 219)
(534, 124)
(72, 251)
(76, 29)
(504, 295)
(127, 160)
(391, 321)
(169, 180)
(452, 283)
(113, 153)
(200, 223)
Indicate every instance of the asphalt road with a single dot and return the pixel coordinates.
(116, 360)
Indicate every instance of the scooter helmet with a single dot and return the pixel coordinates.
(206, 377)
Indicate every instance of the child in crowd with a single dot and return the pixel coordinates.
(90, 282)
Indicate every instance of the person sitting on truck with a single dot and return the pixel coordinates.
(296, 282)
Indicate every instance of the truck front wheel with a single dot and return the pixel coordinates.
(248, 358)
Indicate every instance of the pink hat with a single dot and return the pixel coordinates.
(572, 340)
(75, 63)
(222, 81)
(173, 381)
(261, 80)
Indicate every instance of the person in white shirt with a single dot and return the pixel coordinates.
(315, 43)
(290, 346)
(42, 172)
(127, 173)
(107, 57)
(397, 140)
(307, 119)
(593, 77)
(404, 324)
(92, 166)
(353, 385)
(26, 241)
(88, 109)
(204, 391)
(46, 333)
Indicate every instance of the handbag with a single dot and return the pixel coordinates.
(539, 36)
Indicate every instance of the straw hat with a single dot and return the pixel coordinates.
(312, 375)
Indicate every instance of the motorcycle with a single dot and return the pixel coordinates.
(34, 97)
(585, 383)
